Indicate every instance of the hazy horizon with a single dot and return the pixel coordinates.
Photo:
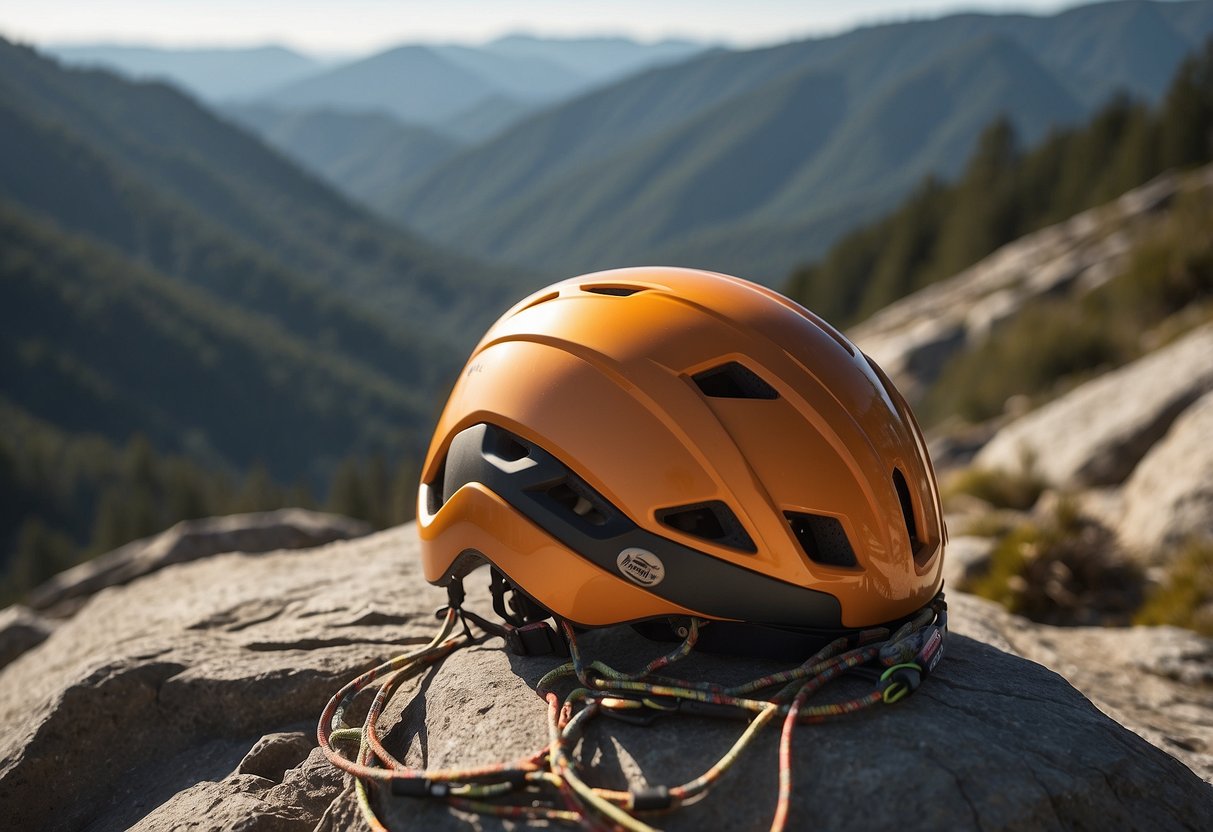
(364, 26)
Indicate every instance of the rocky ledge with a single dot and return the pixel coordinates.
(187, 698)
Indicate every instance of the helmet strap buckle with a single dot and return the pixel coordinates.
(517, 609)
(535, 639)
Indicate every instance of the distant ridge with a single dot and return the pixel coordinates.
(213, 74)
(434, 84)
(422, 84)
(366, 155)
(157, 192)
(593, 182)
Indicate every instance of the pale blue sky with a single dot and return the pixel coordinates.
(338, 26)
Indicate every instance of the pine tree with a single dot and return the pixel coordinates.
(378, 492)
(1187, 113)
(259, 492)
(403, 506)
(982, 214)
(347, 494)
(41, 554)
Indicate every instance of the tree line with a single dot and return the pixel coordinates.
(1005, 192)
(66, 498)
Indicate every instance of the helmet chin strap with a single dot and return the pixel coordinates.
(517, 609)
(524, 624)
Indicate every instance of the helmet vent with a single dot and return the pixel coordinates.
(733, 381)
(505, 446)
(822, 538)
(713, 521)
(541, 299)
(907, 508)
(580, 504)
(434, 498)
(617, 291)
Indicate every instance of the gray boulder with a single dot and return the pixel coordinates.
(288, 528)
(1169, 497)
(1098, 432)
(20, 629)
(186, 699)
(1157, 681)
(968, 556)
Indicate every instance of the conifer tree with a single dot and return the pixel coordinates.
(41, 554)
(348, 493)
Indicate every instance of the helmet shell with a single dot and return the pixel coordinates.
(602, 423)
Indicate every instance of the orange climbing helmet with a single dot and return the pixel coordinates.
(654, 443)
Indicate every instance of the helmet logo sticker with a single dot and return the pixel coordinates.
(640, 566)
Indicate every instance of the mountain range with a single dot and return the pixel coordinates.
(444, 86)
(472, 92)
(210, 74)
(564, 156)
(755, 160)
(155, 247)
(367, 155)
(188, 255)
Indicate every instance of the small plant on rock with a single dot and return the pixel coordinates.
(1062, 569)
(1185, 596)
(1017, 490)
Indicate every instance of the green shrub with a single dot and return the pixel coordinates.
(1048, 341)
(1017, 490)
(1055, 342)
(986, 524)
(1167, 270)
(1063, 569)
(1185, 597)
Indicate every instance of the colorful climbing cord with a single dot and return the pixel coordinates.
(548, 785)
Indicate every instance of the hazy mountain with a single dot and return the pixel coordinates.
(484, 119)
(526, 158)
(213, 74)
(598, 59)
(675, 162)
(926, 122)
(774, 155)
(145, 174)
(413, 83)
(429, 84)
(363, 154)
(124, 139)
(1105, 47)
(1009, 189)
(524, 77)
(475, 88)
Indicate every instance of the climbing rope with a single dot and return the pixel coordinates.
(548, 785)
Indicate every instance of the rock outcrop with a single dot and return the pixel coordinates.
(1158, 681)
(914, 337)
(1098, 432)
(186, 699)
(20, 629)
(967, 555)
(1169, 497)
(291, 528)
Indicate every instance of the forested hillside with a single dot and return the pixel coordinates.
(1008, 190)
(194, 325)
(93, 342)
(167, 276)
(1164, 289)
(366, 155)
(92, 151)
